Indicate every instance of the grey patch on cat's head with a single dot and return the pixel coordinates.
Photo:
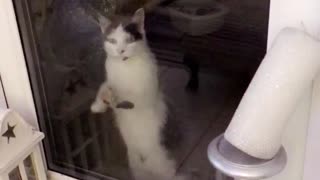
(133, 30)
(115, 21)
(133, 25)
(136, 27)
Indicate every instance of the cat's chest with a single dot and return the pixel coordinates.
(128, 75)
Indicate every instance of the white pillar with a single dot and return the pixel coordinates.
(37, 162)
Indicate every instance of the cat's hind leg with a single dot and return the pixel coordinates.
(136, 166)
(158, 166)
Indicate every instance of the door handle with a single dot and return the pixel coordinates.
(232, 162)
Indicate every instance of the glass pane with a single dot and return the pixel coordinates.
(155, 115)
(15, 174)
(30, 169)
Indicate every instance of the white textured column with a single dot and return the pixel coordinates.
(285, 73)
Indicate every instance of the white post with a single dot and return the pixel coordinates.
(22, 171)
(37, 161)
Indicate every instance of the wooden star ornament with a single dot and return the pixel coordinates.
(9, 133)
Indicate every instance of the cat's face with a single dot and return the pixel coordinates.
(124, 37)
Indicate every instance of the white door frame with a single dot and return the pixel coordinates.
(14, 73)
(3, 100)
(13, 69)
(18, 93)
(304, 144)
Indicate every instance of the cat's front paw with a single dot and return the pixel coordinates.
(109, 98)
(99, 107)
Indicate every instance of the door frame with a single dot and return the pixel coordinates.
(18, 92)
(13, 67)
(3, 100)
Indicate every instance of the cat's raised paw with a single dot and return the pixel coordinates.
(99, 107)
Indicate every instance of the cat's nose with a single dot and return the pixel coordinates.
(121, 51)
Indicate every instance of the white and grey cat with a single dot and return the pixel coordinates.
(132, 78)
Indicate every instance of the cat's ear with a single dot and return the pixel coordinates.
(104, 23)
(138, 18)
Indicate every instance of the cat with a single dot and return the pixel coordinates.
(132, 91)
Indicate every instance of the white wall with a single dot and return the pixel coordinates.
(300, 14)
(293, 13)
(294, 140)
(312, 157)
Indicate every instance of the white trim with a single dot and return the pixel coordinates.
(301, 14)
(37, 159)
(311, 166)
(3, 103)
(14, 73)
(57, 176)
(13, 66)
(23, 171)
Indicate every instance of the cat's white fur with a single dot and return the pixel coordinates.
(136, 80)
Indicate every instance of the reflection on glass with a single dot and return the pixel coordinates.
(15, 174)
(136, 115)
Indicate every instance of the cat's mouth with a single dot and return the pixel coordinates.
(125, 58)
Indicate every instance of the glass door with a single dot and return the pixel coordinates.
(206, 54)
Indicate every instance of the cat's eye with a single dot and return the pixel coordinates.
(111, 40)
(130, 39)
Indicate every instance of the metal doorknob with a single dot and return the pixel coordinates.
(234, 163)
